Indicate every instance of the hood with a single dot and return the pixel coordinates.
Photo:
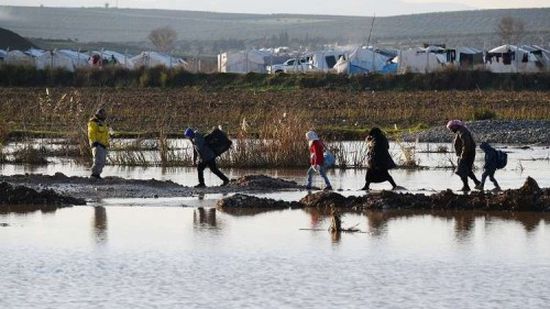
(312, 136)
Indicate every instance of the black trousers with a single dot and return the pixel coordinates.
(213, 167)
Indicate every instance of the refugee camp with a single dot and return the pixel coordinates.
(246, 154)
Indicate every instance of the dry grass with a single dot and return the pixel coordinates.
(268, 126)
(139, 110)
(280, 143)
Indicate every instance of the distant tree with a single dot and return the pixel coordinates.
(510, 30)
(106, 5)
(163, 38)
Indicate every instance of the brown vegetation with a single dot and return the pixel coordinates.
(139, 110)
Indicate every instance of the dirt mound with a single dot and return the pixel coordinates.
(264, 182)
(60, 178)
(246, 201)
(240, 204)
(19, 198)
(323, 199)
(12, 40)
(530, 197)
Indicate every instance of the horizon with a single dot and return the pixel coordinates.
(411, 7)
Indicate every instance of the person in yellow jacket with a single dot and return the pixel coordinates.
(98, 136)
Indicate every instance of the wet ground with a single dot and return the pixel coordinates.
(436, 175)
(167, 252)
(120, 256)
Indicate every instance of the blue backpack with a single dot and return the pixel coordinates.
(329, 159)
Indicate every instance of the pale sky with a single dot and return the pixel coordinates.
(335, 7)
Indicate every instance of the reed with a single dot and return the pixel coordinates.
(280, 143)
(27, 154)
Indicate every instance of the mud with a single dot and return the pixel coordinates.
(115, 187)
(253, 204)
(530, 197)
(24, 199)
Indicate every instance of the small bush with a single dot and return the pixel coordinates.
(29, 155)
(483, 114)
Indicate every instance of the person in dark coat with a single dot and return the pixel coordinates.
(206, 157)
(379, 161)
(490, 166)
(465, 149)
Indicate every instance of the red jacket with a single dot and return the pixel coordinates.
(316, 150)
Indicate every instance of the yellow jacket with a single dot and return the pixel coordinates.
(98, 132)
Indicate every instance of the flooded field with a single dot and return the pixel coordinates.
(436, 172)
(168, 252)
(120, 256)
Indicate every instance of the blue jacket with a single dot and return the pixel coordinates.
(490, 158)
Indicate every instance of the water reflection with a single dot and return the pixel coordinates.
(100, 225)
(205, 218)
(377, 222)
(464, 224)
(464, 221)
(316, 218)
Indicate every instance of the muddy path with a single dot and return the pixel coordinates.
(115, 187)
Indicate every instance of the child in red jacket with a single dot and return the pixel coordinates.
(316, 150)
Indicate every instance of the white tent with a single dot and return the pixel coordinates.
(17, 57)
(512, 59)
(422, 60)
(34, 52)
(79, 59)
(361, 60)
(154, 59)
(325, 61)
(54, 60)
(542, 55)
(244, 61)
(113, 58)
(465, 57)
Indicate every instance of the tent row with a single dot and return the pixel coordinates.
(362, 60)
(71, 60)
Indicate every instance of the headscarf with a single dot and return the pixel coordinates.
(311, 136)
(455, 124)
(379, 138)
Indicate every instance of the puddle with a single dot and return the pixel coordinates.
(120, 256)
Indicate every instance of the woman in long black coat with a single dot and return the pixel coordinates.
(379, 161)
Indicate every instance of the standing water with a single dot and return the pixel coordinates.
(169, 253)
(120, 256)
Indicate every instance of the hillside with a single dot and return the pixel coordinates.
(133, 25)
(12, 40)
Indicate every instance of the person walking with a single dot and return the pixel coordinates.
(205, 156)
(465, 148)
(493, 160)
(379, 160)
(98, 137)
(316, 160)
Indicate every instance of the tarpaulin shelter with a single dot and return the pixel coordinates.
(513, 59)
(465, 57)
(360, 61)
(17, 57)
(55, 60)
(152, 59)
(79, 59)
(245, 61)
(422, 60)
(109, 57)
